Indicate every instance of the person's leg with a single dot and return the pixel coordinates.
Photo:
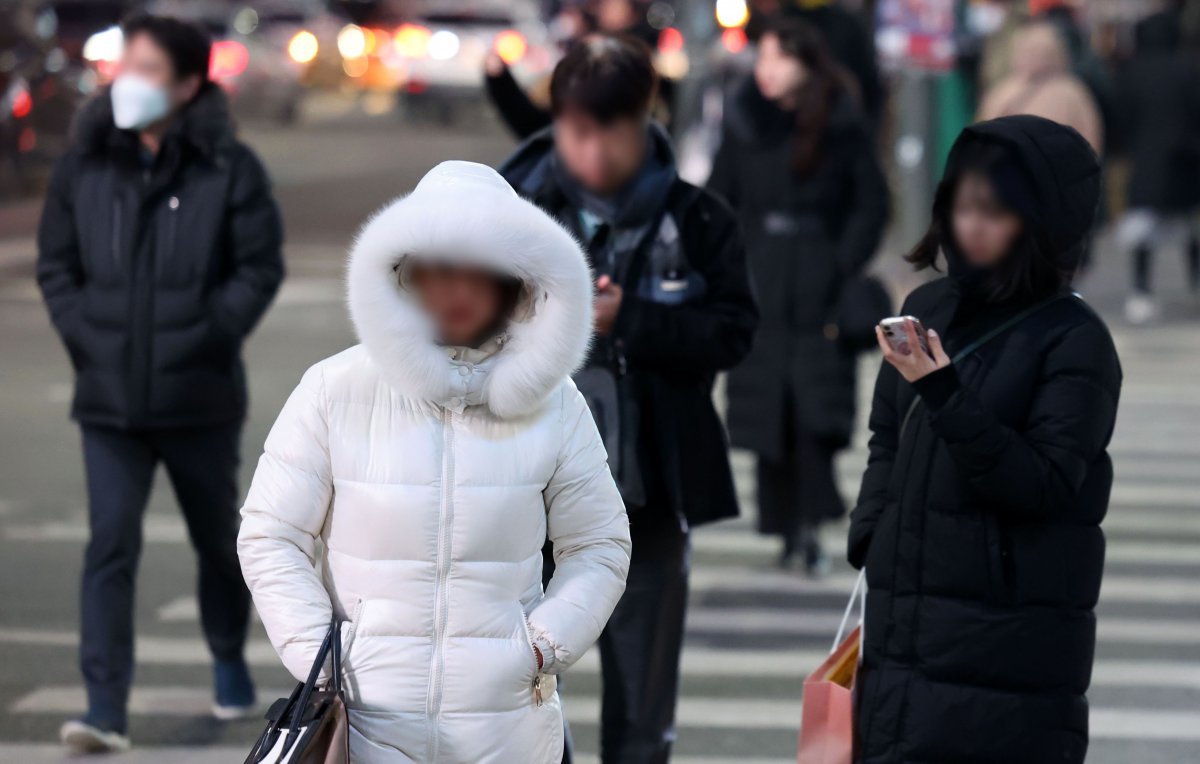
(120, 471)
(1193, 255)
(202, 463)
(777, 515)
(817, 496)
(1143, 256)
(640, 648)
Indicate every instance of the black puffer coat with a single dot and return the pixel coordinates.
(154, 274)
(979, 519)
(805, 235)
(1160, 118)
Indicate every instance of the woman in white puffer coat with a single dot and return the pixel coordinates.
(410, 482)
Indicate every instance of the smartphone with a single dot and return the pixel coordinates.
(896, 334)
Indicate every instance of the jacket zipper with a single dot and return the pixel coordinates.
(441, 599)
(116, 233)
(537, 677)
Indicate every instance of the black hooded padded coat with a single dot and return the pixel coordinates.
(979, 517)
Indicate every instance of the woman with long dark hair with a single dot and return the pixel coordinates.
(798, 165)
(979, 517)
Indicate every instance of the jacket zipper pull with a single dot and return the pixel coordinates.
(537, 690)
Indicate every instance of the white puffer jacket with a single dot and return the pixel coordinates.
(409, 488)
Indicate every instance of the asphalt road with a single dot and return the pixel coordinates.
(753, 632)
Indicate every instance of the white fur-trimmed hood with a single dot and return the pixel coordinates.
(464, 212)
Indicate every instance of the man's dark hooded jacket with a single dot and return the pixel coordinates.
(691, 315)
(155, 270)
(979, 516)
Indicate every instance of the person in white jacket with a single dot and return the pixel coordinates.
(411, 481)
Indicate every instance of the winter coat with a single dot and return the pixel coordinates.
(1160, 105)
(805, 236)
(155, 274)
(1041, 83)
(408, 488)
(691, 315)
(979, 516)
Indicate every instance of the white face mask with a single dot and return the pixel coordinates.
(137, 102)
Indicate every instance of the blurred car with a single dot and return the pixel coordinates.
(446, 43)
(261, 51)
(40, 88)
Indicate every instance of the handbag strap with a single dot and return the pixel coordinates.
(331, 643)
(859, 595)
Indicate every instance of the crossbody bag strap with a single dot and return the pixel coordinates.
(985, 338)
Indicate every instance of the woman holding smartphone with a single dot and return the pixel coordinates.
(978, 519)
(410, 482)
(798, 164)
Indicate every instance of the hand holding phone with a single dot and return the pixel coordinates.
(896, 332)
(899, 339)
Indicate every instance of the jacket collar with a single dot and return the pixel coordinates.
(205, 125)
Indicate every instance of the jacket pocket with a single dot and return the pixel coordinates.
(350, 627)
(542, 685)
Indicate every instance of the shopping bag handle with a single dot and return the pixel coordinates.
(857, 594)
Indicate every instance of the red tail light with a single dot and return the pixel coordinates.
(229, 59)
(734, 39)
(22, 103)
(670, 40)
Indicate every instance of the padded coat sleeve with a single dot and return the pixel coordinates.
(1037, 470)
(283, 516)
(884, 424)
(590, 533)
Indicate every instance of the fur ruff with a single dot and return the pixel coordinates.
(465, 213)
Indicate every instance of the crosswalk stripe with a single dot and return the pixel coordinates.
(693, 711)
(223, 754)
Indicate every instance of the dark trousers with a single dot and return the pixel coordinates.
(1143, 260)
(202, 465)
(640, 647)
(799, 491)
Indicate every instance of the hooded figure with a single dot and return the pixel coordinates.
(979, 516)
(431, 476)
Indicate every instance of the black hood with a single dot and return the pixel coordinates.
(1062, 170)
(205, 125)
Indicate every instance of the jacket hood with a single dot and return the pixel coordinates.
(1062, 170)
(205, 124)
(465, 213)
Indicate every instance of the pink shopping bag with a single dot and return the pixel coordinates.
(827, 716)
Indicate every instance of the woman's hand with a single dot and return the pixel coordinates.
(918, 363)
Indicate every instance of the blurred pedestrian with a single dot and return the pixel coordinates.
(1041, 83)
(430, 462)
(978, 521)
(850, 41)
(159, 250)
(1160, 105)
(797, 163)
(673, 306)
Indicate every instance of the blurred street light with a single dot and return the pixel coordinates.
(732, 13)
(303, 47)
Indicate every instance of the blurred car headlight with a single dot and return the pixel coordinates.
(412, 40)
(510, 46)
(303, 47)
(443, 45)
(732, 13)
(352, 41)
(105, 45)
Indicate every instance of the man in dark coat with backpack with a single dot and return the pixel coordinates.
(159, 251)
(673, 307)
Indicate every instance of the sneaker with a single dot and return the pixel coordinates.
(83, 738)
(234, 690)
(1141, 309)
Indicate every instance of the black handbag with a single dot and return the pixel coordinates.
(862, 304)
(311, 726)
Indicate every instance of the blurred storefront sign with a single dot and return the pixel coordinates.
(916, 33)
